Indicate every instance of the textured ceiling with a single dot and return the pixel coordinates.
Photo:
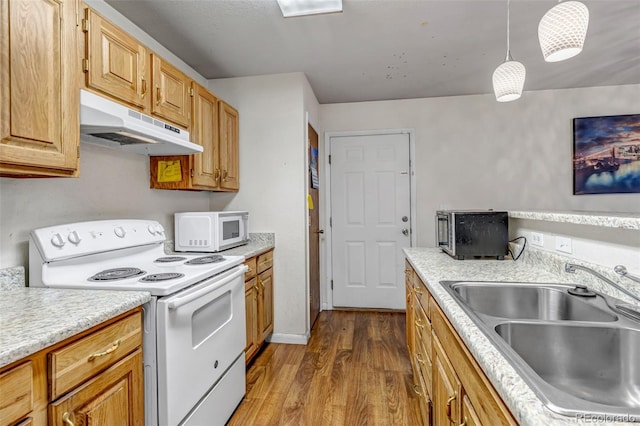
(390, 49)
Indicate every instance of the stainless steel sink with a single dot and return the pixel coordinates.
(579, 354)
(525, 301)
(598, 364)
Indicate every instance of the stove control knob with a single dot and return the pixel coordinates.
(120, 232)
(159, 229)
(74, 237)
(57, 241)
(152, 229)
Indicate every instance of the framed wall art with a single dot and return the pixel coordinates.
(606, 154)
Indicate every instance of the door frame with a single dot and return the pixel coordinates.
(326, 298)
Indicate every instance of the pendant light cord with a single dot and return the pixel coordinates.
(508, 58)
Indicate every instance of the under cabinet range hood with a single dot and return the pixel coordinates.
(105, 122)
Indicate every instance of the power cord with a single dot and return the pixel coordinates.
(521, 251)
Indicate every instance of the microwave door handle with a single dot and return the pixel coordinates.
(181, 301)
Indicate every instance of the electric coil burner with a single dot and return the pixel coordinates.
(194, 324)
(161, 277)
(117, 274)
(204, 260)
(169, 259)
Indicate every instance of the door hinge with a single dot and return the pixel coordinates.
(329, 158)
(331, 284)
(330, 222)
(85, 65)
(85, 25)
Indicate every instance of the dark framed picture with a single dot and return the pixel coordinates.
(606, 154)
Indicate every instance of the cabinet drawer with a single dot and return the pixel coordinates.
(265, 261)
(81, 360)
(252, 265)
(16, 389)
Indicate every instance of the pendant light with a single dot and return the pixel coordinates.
(508, 78)
(562, 31)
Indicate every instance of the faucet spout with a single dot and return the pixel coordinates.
(572, 267)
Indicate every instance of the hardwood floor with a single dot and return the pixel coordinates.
(355, 370)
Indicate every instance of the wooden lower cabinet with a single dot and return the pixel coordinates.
(452, 388)
(258, 302)
(114, 397)
(98, 374)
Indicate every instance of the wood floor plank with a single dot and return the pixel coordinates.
(355, 370)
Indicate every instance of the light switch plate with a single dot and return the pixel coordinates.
(563, 244)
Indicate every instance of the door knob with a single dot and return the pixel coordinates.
(405, 219)
(319, 231)
(405, 231)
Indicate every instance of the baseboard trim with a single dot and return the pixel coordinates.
(293, 339)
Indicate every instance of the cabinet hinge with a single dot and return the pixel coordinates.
(85, 25)
(85, 65)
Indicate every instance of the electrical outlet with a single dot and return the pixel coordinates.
(537, 239)
(564, 244)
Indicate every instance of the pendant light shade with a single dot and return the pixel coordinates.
(508, 78)
(508, 81)
(562, 31)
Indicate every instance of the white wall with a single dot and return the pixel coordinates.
(473, 152)
(112, 184)
(273, 183)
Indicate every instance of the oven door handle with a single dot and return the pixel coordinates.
(181, 301)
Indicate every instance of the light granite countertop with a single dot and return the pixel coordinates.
(32, 319)
(605, 219)
(433, 266)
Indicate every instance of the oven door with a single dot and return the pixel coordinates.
(232, 230)
(444, 231)
(201, 332)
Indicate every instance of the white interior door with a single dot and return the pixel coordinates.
(371, 219)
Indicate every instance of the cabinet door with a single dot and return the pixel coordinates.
(204, 132)
(229, 146)
(446, 388)
(171, 98)
(469, 415)
(115, 397)
(265, 303)
(251, 315)
(39, 82)
(117, 63)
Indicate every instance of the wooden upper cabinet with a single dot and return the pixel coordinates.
(115, 63)
(229, 147)
(39, 82)
(171, 94)
(204, 132)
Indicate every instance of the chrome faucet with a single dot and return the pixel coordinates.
(572, 267)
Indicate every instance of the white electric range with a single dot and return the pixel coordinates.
(194, 325)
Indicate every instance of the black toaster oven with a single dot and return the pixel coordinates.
(463, 234)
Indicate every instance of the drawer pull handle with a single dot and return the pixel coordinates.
(144, 89)
(407, 271)
(225, 175)
(216, 176)
(449, 401)
(419, 358)
(417, 291)
(66, 418)
(415, 389)
(464, 423)
(158, 95)
(112, 349)
(419, 323)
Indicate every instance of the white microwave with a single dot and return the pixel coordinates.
(210, 231)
